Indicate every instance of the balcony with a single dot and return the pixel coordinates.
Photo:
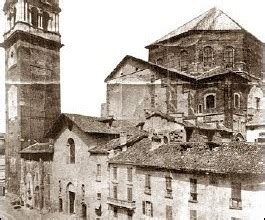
(193, 197)
(121, 203)
(235, 203)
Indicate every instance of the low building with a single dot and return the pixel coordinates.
(187, 181)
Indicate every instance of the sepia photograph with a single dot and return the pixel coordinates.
(132, 110)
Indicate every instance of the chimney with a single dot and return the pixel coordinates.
(123, 138)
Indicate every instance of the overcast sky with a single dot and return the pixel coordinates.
(98, 34)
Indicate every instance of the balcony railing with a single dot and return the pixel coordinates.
(235, 203)
(193, 197)
(121, 203)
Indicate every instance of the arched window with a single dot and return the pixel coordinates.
(71, 145)
(236, 100)
(45, 20)
(208, 56)
(229, 54)
(34, 17)
(184, 60)
(209, 101)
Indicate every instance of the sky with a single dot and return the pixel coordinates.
(98, 34)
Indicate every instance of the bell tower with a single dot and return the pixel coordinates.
(32, 45)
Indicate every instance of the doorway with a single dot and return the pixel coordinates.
(71, 202)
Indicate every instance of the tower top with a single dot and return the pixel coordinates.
(32, 17)
(51, 4)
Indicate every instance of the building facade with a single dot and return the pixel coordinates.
(203, 72)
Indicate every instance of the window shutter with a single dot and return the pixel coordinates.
(143, 207)
(151, 209)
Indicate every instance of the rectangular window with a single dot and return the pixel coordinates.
(257, 103)
(168, 186)
(193, 190)
(115, 212)
(235, 201)
(115, 192)
(130, 214)
(148, 183)
(193, 214)
(98, 172)
(129, 194)
(129, 174)
(115, 173)
(200, 109)
(98, 196)
(147, 208)
(169, 215)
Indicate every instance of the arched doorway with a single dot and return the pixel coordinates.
(70, 192)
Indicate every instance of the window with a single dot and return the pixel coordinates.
(193, 190)
(199, 109)
(71, 145)
(115, 212)
(129, 174)
(45, 20)
(168, 186)
(98, 172)
(148, 184)
(208, 56)
(98, 196)
(60, 205)
(147, 208)
(193, 214)
(229, 57)
(257, 103)
(115, 173)
(236, 100)
(115, 192)
(184, 56)
(159, 61)
(34, 17)
(129, 194)
(235, 201)
(233, 218)
(169, 215)
(209, 101)
(130, 214)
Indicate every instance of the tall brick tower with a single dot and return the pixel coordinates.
(32, 57)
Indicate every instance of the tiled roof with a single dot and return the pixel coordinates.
(240, 158)
(149, 64)
(87, 124)
(38, 148)
(187, 76)
(113, 144)
(214, 19)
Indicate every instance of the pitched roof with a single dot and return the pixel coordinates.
(38, 148)
(212, 20)
(150, 65)
(115, 143)
(201, 76)
(87, 124)
(240, 158)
